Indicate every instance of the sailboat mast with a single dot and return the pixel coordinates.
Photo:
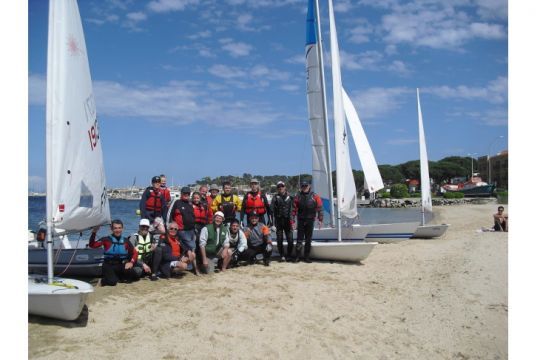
(325, 113)
(48, 141)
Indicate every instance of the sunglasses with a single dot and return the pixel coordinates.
(175, 229)
(144, 227)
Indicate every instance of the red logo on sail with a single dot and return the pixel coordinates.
(61, 207)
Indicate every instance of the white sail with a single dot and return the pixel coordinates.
(424, 167)
(76, 193)
(321, 175)
(346, 189)
(372, 176)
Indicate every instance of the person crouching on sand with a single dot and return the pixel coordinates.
(174, 259)
(501, 220)
(258, 239)
(211, 244)
(119, 257)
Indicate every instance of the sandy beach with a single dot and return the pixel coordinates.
(444, 298)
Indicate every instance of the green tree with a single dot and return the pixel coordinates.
(399, 191)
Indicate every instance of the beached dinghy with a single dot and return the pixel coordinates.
(425, 231)
(76, 192)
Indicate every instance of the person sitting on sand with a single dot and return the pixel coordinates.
(149, 253)
(174, 259)
(236, 243)
(258, 239)
(501, 220)
(119, 257)
(211, 244)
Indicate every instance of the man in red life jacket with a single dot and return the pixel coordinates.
(306, 207)
(174, 257)
(256, 200)
(153, 206)
(165, 189)
(119, 257)
(182, 213)
(203, 216)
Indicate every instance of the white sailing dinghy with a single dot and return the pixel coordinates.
(329, 243)
(76, 193)
(425, 231)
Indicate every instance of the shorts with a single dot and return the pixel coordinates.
(187, 239)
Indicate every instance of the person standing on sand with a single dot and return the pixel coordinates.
(211, 244)
(501, 220)
(149, 253)
(153, 206)
(165, 189)
(228, 203)
(174, 257)
(183, 215)
(281, 206)
(258, 239)
(205, 198)
(119, 257)
(307, 206)
(256, 200)
(203, 216)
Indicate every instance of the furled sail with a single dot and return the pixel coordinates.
(321, 182)
(372, 176)
(346, 189)
(76, 193)
(424, 167)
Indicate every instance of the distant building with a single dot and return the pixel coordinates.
(499, 169)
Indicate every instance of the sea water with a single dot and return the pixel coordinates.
(125, 210)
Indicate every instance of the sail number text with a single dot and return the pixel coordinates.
(93, 135)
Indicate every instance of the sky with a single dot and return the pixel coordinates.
(194, 88)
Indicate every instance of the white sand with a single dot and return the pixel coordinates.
(425, 299)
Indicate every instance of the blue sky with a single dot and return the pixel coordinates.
(195, 88)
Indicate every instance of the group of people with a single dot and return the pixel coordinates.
(207, 232)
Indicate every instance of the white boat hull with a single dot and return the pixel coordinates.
(391, 233)
(325, 246)
(430, 231)
(57, 301)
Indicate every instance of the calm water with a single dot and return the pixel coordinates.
(125, 211)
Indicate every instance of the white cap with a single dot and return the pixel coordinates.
(144, 222)
(219, 213)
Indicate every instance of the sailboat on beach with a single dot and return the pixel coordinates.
(346, 204)
(425, 231)
(76, 192)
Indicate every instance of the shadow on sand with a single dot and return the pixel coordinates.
(81, 321)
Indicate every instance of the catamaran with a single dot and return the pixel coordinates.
(76, 193)
(425, 231)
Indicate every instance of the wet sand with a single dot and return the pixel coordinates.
(444, 298)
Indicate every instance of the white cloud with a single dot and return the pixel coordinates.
(236, 49)
(493, 9)
(495, 91)
(200, 35)
(226, 72)
(161, 6)
(441, 25)
(376, 102)
(175, 102)
(136, 16)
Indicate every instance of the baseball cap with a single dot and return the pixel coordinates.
(305, 183)
(185, 190)
(144, 222)
(280, 183)
(254, 181)
(214, 187)
(219, 213)
(156, 179)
